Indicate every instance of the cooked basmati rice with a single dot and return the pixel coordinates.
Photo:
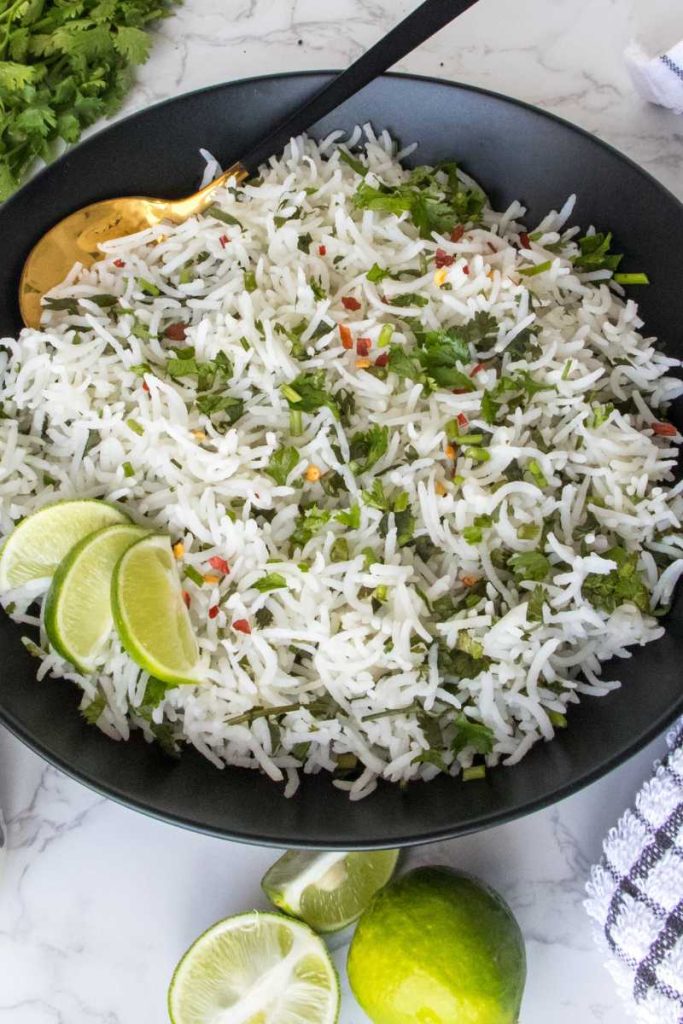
(401, 624)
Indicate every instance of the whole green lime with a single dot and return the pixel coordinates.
(438, 947)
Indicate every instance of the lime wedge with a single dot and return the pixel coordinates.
(37, 545)
(256, 969)
(150, 614)
(78, 616)
(327, 890)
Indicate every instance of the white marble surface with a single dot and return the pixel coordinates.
(97, 902)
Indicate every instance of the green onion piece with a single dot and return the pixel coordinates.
(477, 771)
(192, 574)
(369, 557)
(296, 422)
(478, 454)
(558, 719)
(536, 473)
(289, 393)
(147, 287)
(385, 335)
(128, 469)
(185, 275)
(539, 268)
(535, 235)
(631, 279)
(567, 369)
(249, 281)
(380, 592)
(527, 531)
(136, 427)
(303, 566)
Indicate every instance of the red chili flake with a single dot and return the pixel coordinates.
(382, 359)
(363, 346)
(224, 241)
(119, 263)
(241, 625)
(346, 336)
(175, 332)
(465, 270)
(186, 599)
(477, 369)
(462, 419)
(459, 391)
(663, 429)
(524, 241)
(443, 259)
(457, 233)
(216, 562)
(145, 386)
(322, 250)
(214, 610)
(348, 302)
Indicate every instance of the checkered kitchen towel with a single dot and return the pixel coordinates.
(658, 79)
(636, 895)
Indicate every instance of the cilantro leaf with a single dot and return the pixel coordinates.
(272, 581)
(471, 734)
(281, 464)
(308, 523)
(308, 393)
(529, 565)
(350, 517)
(621, 585)
(368, 447)
(594, 253)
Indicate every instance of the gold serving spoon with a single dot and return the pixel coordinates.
(77, 238)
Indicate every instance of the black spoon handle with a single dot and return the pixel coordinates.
(427, 19)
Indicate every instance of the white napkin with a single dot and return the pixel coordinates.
(658, 79)
(636, 895)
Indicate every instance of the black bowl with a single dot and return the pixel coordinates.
(515, 151)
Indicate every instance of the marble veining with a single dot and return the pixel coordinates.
(97, 902)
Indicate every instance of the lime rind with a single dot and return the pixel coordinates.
(219, 975)
(38, 544)
(328, 890)
(77, 613)
(150, 615)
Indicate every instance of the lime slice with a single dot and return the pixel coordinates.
(327, 890)
(150, 614)
(256, 969)
(37, 545)
(78, 616)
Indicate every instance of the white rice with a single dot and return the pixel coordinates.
(69, 390)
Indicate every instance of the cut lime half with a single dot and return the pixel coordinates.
(256, 969)
(38, 544)
(327, 890)
(78, 615)
(150, 614)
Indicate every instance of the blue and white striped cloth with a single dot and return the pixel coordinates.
(658, 79)
(636, 895)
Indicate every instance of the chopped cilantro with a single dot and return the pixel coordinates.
(529, 565)
(621, 585)
(272, 581)
(281, 464)
(350, 517)
(308, 523)
(368, 447)
(471, 734)
(594, 253)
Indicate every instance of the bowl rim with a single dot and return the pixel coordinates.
(487, 819)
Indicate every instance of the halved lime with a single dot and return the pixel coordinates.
(150, 614)
(327, 890)
(257, 969)
(78, 616)
(37, 545)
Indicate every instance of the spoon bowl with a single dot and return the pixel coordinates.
(77, 238)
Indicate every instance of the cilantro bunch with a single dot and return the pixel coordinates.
(63, 65)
